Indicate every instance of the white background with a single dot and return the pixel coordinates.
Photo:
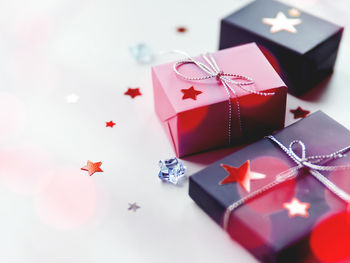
(50, 210)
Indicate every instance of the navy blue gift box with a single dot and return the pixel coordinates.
(301, 47)
(263, 225)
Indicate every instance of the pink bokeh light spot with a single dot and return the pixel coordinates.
(272, 200)
(12, 115)
(68, 200)
(25, 169)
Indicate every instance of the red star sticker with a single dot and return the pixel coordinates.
(241, 175)
(110, 124)
(92, 167)
(299, 113)
(133, 92)
(297, 208)
(190, 93)
(181, 29)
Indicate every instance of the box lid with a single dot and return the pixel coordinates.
(245, 60)
(260, 17)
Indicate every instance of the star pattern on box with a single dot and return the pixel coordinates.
(190, 93)
(241, 175)
(110, 124)
(92, 167)
(133, 92)
(299, 113)
(72, 98)
(133, 207)
(281, 22)
(297, 208)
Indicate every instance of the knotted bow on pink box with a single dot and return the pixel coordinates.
(201, 110)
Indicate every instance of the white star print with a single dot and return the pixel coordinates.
(297, 208)
(72, 98)
(281, 22)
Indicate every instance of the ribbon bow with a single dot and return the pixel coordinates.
(212, 70)
(310, 162)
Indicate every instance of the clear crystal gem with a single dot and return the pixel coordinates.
(172, 170)
(142, 53)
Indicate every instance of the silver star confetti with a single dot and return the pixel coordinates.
(133, 207)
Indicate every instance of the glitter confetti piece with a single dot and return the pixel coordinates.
(299, 113)
(72, 98)
(133, 207)
(142, 53)
(92, 167)
(133, 92)
(110, 124)
(181, 29)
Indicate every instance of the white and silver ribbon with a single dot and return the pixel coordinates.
(310, 162)
(212, 70)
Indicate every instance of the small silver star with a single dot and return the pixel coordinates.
(72, 98)
(133, 207)
(281, 22)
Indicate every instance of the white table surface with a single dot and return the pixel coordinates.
(51, 211)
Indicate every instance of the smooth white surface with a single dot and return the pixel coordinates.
(50, 49)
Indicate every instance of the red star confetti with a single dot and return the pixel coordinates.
(190, 93)
(181, 29)
(299, 113)
(133, 92)
(110, 124)
(297, 208)
(133, 207)
(241, 175)
(92, 167)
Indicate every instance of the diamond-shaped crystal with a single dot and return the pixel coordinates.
(172, 170)
(142, 53)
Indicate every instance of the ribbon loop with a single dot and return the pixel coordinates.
(212, 70)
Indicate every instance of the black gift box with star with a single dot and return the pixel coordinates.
(291, 222)
(301, 47)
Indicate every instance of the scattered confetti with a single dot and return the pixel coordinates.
(133, 207)
(92, 167)
(241, 175)
(110, 124)
(133, 92)
(171, 170)
(299, 113)
(181, 29)
(72, 98)
(281, 22)
(297, 208)
(142, 53)
(294, 12)
(190, 93)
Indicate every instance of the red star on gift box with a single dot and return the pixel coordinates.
(92, 167)
(241, 175)
(110, 124)
(297, 208)
(190, 93)
(299, 113)
(133, 92)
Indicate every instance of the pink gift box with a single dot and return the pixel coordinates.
(200, 121)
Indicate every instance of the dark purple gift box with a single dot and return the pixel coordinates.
(303, 50)
(264, 225)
